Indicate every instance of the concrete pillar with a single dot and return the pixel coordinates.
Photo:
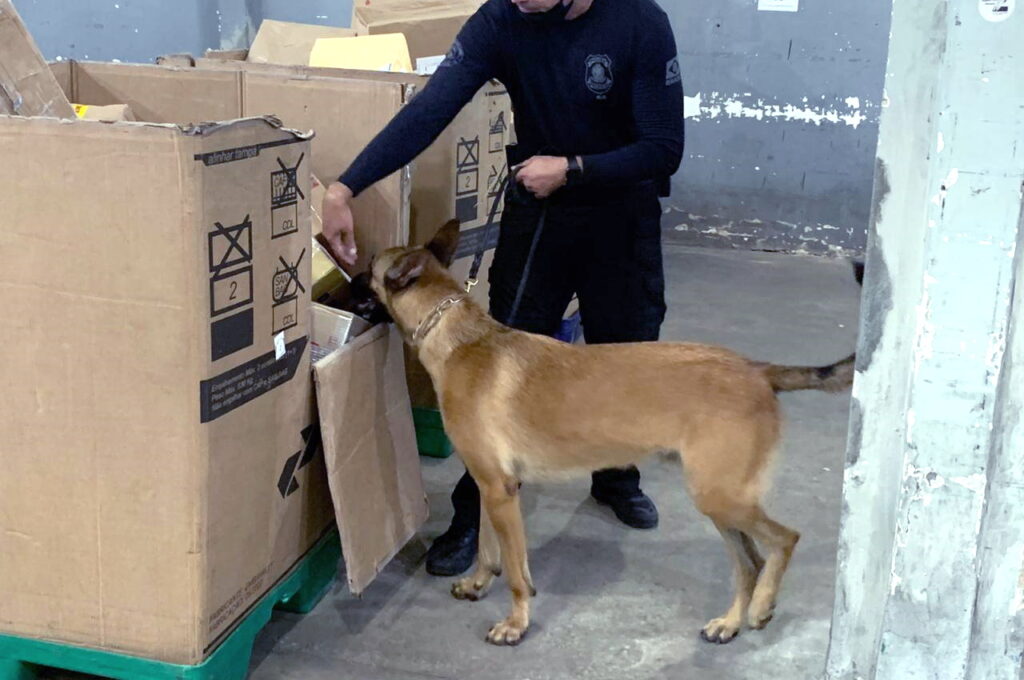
(930, 581)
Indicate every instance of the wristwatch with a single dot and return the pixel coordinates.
(574, 173)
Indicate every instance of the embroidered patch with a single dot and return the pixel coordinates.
(599, 74)
(455, 55)
(672, 73)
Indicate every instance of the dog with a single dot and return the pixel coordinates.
(520, 407)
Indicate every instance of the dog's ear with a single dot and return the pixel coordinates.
(445, 241)
(404, 273)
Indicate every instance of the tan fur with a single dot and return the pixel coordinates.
(522, 407)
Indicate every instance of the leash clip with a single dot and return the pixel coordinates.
(470, 282)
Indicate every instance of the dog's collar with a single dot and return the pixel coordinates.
(434, 317)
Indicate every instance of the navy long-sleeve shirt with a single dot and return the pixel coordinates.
(605, 86)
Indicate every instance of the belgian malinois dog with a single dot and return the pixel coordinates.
(520, 407)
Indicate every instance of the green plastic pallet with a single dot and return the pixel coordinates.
(299, 592)
(430, 437)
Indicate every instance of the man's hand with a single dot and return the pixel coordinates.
(577, 9)
(542, 175)
(339, 229)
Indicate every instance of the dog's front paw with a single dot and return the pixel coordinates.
(507, 632)
(468, 589)
(720, 631)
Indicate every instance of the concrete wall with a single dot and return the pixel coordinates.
(782, 107)
(782, 115)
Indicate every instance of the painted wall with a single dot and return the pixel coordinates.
(782, 107)
(782, 116)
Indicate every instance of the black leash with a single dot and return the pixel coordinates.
(478, 258)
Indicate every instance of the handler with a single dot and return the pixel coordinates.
(597, 94)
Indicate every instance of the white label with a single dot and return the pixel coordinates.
(425, 66)
(279, 346)
(996, 10)
(778, 5)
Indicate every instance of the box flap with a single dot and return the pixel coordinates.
(284, 42)
(27, 86)
(370, 450)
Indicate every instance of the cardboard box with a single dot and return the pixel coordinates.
(343, 112)
(332, 328)
(114, 113)
(160, 444)
(370, 449)
(430, 26)
(384, 52)
(27, 86)
(284, 42)
(457, 176)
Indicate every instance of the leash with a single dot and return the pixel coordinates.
(478, 258)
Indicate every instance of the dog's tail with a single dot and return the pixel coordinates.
(832, 378)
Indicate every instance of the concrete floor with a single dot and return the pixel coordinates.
(617, 603)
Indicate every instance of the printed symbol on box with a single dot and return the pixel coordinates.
(230, 259)
(284, 199)
(287, 484)
(467, 179)
(497, 133)
(286, 286)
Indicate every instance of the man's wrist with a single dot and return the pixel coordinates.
(339, 191)
(573, 171)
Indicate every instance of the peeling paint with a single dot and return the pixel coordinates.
(713, 105)
(975, 483)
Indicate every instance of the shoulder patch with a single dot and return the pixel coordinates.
(455, 55)
(672, 73)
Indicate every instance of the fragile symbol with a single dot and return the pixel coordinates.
(284, 184)
(287, 484)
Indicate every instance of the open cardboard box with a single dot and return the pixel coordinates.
(459, 175)
(162, 459)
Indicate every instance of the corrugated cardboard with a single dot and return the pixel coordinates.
(113, 113)
(385, 52)
(284, 42)
(27, 86)
(160, 458)
(370, 449)
(430, 26)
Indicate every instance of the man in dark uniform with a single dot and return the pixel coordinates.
(597, 95)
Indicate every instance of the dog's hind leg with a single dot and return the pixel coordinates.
(488, 562)
(780, 541)
(745, 570)
(501, 501)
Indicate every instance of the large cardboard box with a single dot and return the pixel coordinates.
(344, 113)
(159, 439)
(27, 87)
(430, 26)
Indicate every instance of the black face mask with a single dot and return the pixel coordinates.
(552, 16)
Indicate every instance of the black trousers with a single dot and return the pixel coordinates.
(605, 249)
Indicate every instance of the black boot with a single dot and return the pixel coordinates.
(620, 489)
(453, 551)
